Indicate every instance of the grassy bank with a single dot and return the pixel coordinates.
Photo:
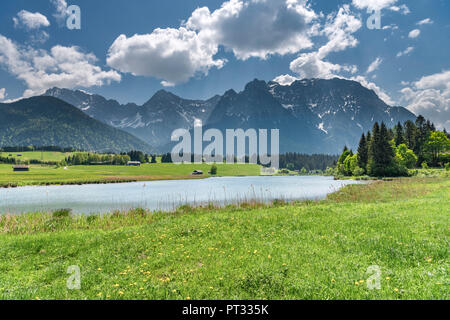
(308, 250)
(41, 175)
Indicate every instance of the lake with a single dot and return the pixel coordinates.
(166, 195)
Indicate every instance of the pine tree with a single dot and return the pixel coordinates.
(422, 134)
(398, 134)
(387, 152)
(363, 153)
(381, 154)
(410, 134)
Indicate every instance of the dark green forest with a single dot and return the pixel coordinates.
(385, 152)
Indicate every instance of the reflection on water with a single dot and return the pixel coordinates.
(166, 195)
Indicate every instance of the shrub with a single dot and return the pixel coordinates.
(91, 219)
(358, 171)
(447, 166)
(62, 213)
(214, 169)
(424, 165)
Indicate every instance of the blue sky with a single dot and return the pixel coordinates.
(196, 53)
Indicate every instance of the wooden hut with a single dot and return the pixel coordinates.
(21, 167)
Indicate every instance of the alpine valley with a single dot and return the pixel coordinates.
(313, 115)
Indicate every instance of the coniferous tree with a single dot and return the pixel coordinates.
(422, 134)
(381, 154)
(363, 153)
(386, 149)
(398, 134)
(410, 134)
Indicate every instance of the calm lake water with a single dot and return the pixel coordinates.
(166, 195)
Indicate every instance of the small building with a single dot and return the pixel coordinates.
(134, 163)
(197, 172)
(21, 168)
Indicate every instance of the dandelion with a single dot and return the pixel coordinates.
(269, 257)
(333, 281)
(396, 290)
(116, 285)
(429, 260)
(99, 294)
(188, 298)
(356, 283)
(99, 269)
(120, 292)
(388, 278)
(174, 290)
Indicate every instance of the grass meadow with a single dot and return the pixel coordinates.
(304, 250)
(41, 175)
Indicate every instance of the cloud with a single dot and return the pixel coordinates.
(374, 65)
(339, 29)
(248, 28)
(403, 9)
(30, 21)
(391, 26)
(174, 55)
(373, 4)
(2, 93)
(66, 67)
(405, 52)
(61, 9)
(430, 97)
(425, 21)
(285, 79)
(414, 33)
(257, 28)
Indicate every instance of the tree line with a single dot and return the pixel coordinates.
(108, 159)
(385, 152)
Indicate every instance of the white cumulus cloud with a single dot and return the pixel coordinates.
(414, 33)
(257, 28)
(174, 55)
(339, 29)
(430, 97)
(30, 20)
(66, 67)
(373, 4)
(248, 28)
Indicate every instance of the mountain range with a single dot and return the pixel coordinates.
(313, 115)
(48, 121)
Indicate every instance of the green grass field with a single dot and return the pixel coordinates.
(102, 174)
(307, 250)
(45, 156)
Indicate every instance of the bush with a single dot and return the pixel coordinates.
(62, 213)
(447, 166)
(358, 171)
(214, 169)
(424, 165)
